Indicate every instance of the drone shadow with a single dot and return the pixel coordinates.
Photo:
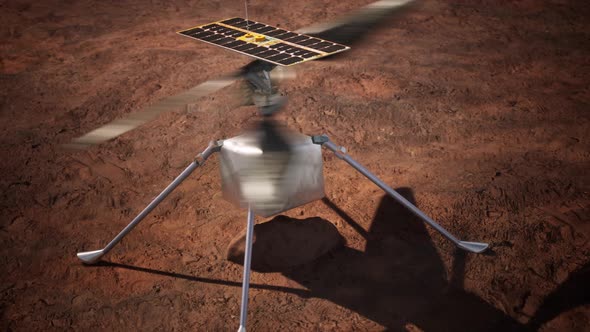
(572, 293)
(400, 278)
(299, 292)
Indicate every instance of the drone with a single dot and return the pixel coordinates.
(269, 169)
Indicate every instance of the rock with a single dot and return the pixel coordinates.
(531, 304)
(285, 242)
(60, 323)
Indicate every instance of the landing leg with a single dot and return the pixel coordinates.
(340, 152)
(90, 257)
(247, 260)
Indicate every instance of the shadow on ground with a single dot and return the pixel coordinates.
(400, 279)
(572, 293)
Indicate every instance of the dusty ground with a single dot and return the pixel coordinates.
(478, 109)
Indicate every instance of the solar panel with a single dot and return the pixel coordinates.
(264, 42)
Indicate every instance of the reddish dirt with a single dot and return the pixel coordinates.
(477, 110)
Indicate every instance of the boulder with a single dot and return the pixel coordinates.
(284, 242)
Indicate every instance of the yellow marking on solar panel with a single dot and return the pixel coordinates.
(252, 37)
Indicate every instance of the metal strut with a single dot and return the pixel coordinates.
(247, 261)
(475, 247)
(91, 257)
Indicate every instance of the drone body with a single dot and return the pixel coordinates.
(267, 170)
(271, 170)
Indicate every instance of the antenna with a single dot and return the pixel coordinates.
(246, 6)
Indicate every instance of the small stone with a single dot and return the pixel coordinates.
(531, 304)
(84, 173)
(566, 233)
(493, 214)
(560, 275)
(412, 328)
(47, 301)
(59, 323)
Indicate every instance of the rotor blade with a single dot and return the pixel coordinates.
(354, 26)
(134, 120)
(345, 31)
(280, 74)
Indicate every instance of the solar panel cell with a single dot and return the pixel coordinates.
(264, 29)
(223, 41)
(232, 20)
(290, 61)
(296, 39)
(308, 55)
(235, 44)
(238, 24)
(333, 48)
(243, 24)
(223, 29)
(305, 53)
(256, 26)
(219, 36)
(300, 51)
(282, 47)
(278, 46)
(309, 41)
(211, 37)
(234, 33)
(192, 31)
(321, 45)
(286, 35)
(216, 27)
(245, 47)
(200, 35)
(268, 53)
(276, 32)
(256, 50)
(291, 49)
(278, 57)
